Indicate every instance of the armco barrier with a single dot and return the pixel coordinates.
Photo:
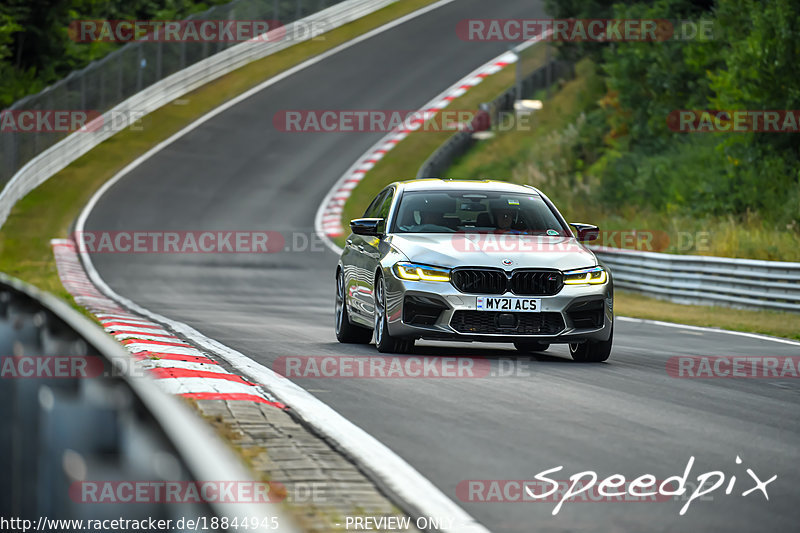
(129, 69)
(541, 78)
(58, 156)
(111, 427)
(697, 279)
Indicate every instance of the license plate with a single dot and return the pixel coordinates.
(509, 304)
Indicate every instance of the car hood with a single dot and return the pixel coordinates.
(493, 250)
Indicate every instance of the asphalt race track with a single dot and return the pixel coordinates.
(628, 416)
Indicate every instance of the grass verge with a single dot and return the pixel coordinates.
(49, 210)
(773, 323)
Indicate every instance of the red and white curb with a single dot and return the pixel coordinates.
(178, 367)
(329, 216)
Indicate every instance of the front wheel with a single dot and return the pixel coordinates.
(592, 351)
(383, 341)
(345, 331)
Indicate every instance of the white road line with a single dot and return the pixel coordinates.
(398, 476)
(709, 330)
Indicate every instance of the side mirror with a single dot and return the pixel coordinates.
(586, 232)
(366, 226)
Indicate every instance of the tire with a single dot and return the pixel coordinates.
(592, 351)
(530, 346)
(345, 331)
(384, 342)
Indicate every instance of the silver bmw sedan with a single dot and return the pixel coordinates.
(472, 261)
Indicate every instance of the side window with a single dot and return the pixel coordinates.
(386, 204)
(383, 211)
(374, 208)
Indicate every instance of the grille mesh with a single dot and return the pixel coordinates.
(480, 281)
(526, 323)
(536, 282)
(522, 282)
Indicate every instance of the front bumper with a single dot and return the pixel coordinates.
(439, 311)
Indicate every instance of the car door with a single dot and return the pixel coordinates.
(358, 282)
(374, 248)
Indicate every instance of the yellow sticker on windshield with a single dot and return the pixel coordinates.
(513, 202)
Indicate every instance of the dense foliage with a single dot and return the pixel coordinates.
(35, 47)
(750, 62)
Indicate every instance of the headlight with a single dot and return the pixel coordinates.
(583, 276)
(414, 272)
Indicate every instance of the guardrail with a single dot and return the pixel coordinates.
(107, 424)
(697, 279)
(113, 426)
(461, 141)
(56, 157)
(126, 71)
(104, 424)
(707, 280)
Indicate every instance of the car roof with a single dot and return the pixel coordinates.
(439, 184)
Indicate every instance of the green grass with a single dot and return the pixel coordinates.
(773, 323)
(49, 210)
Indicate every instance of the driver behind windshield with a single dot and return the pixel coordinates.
(449, 212)
(505, 216)
(426, 214)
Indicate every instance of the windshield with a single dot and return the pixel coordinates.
(469, 211)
